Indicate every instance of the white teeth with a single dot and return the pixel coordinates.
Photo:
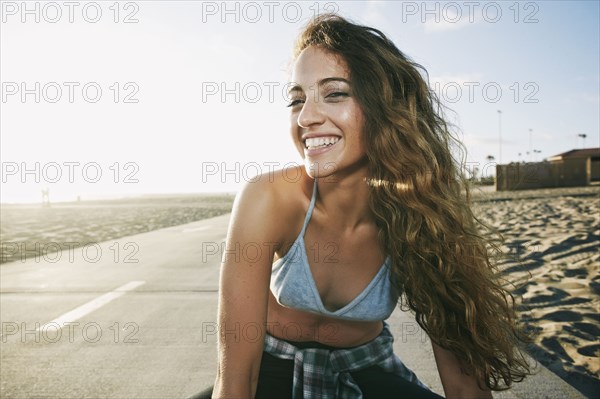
(320, 142)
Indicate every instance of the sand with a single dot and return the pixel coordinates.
(28, 231)
(552, 238)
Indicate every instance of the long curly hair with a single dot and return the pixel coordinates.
(442, 255)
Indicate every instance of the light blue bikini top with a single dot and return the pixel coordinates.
(293, 285)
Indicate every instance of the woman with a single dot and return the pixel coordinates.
(379, 213)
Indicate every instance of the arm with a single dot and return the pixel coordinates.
(244, 288)
(456, 383)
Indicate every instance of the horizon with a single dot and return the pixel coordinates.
(118, 197)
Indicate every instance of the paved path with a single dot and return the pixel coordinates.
(136, 320)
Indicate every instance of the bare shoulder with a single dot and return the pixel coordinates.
(261, 215)
(271, 204)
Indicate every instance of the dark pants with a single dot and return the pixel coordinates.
(276, 377)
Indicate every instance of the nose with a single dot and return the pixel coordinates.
(311, 113)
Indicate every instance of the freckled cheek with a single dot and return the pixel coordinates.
(295, 136)
(345, 116)
(294, 126)
(352, 121)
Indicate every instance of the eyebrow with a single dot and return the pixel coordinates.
(320, 83)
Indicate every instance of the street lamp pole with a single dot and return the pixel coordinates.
(499, 137)
(530, 148)
(583, 136)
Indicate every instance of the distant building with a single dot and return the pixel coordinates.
(569, 169)
(593, 154)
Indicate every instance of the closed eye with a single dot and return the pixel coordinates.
(294, 103)
(337, 94)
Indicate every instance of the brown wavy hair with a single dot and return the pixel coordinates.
(442, 254)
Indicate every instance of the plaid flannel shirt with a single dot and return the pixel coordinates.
(325, 374)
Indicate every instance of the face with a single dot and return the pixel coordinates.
(326, 120)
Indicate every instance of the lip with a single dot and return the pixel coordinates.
(319, 151)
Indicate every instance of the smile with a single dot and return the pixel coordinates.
(316, 143)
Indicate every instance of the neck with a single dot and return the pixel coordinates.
(345, 199)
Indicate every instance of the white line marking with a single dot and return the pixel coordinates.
(189, 230)
(90, 306)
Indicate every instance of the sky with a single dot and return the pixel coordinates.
(105, 99)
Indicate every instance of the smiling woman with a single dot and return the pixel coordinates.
(326, 119)
(381, 214)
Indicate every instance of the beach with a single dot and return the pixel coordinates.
(29, 231)
(551, 239)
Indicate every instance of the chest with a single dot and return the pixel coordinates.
(341, 265)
